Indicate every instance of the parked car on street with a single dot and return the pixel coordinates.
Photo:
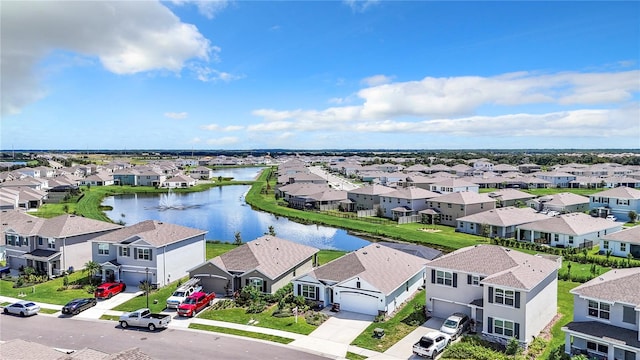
(109, 289)
(76, 306)
(431, 344)
(455, 325)
(144, 318)
(196, 302)
(22, 308)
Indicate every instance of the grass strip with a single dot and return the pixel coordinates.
(250, 334)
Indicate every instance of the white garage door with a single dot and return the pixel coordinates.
(443, 309)
(359, 303)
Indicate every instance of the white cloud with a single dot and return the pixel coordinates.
(216, 127)
(206, 8)
(127, 37)
(223, 141)
(207, 74)
(377, 80)
(176, 115)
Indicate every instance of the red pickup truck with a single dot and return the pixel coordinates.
(195, 302)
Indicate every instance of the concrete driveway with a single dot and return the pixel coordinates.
(103, 305)
(333, 337)
(403, 349)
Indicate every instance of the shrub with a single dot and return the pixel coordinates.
(256, 307)
(471, 350)
(90, 288)
(65, 281)
(513, 347)
(224, 304)
(315, 318)
(19, 283)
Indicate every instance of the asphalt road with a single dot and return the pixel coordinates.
(70, 333)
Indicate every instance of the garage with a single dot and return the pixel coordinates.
(359, 303)
(443, 309)
(212, 283)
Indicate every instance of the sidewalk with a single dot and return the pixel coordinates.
(319, 345)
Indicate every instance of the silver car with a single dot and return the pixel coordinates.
(22, 308)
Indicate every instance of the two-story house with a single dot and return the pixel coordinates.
(617, 202)
(606, 314)
(508, 293)
(405, 202)
(50, 246)
(153, 250)
(368, 197)
(456, 205)
(454, 185)
(556, 178)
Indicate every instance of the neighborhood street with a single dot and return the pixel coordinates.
(76, 333)
(336, 182)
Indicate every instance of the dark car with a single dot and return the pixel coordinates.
(75, 306)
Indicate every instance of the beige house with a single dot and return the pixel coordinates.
(267, 263)
(456, 205)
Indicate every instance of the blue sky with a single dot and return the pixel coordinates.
(319, 75)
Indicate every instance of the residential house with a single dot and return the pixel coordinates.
(23, 198)
(150, 250)
(151, 178)
(622, 243)
(499, 222)
(561, 202)
(454, 185)
(373, 280)
(325, 200)
(510, 197)
(267, 263)
(617, 201)
(567, 230)
(405, 202)
(606, 314)
(368, 197)
(556, 178)
(456, 205)
(529, 168)
(180, 181)
(202, 172)
(50, 246)
(508, 293)
(99, 179)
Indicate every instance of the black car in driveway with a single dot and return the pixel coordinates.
(75, 306)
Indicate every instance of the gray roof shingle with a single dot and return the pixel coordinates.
(619, 285)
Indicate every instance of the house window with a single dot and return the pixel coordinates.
(103, 249)
(603, 349)
(628, 314)
(605, 244)
(599, 309)
(556, 237)
(124, 251)
(449, 206)
(475, 280)
(505, 297)
(11, 239)
(358, 284)
(143, 253)
(308, 291)
(39, 241)
(256, 283)
(51, 243)
(444, 278)
(471, 226)
(623, 246)
(503, 327)
(570, 239)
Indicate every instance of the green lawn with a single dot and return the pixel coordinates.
(353, 356)
(565, 309)
(251, 334)
(139, 302)
(264, 319)
(324, 256)
(396, 328)
(217, 249)
(46, 292)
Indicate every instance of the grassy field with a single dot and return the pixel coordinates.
(396, 328)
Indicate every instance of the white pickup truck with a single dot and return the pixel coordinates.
(182, 293)
(144, 318)
(432, 344)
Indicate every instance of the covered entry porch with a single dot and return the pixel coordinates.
(44, 261)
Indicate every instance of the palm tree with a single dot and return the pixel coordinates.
(92, 268)
(629, 257)
(238, 239)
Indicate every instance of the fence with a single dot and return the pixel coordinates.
(409, 219)
(364, 213)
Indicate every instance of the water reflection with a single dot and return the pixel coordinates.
(222, 211)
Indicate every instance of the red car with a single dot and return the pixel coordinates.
(108, 290)
(195, 302)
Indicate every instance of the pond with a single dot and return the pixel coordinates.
(222, 211)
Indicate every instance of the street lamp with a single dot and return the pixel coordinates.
(147, 286)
